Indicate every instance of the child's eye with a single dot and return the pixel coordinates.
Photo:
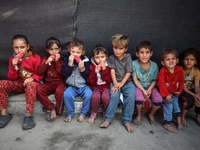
(22, 47)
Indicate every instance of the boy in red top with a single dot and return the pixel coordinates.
(53, 81)
(170, 85)
(99, 80)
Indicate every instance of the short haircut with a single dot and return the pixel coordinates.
(165, 52)
(144, 44)
(119, 40)
(52, 40)
(99, 48)
(76, 42)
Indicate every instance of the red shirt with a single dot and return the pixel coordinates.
(52, 72)
(26, 68)
(92, 78)
(169, 83)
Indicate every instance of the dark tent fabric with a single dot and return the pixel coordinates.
(38, 20)
(166, 24)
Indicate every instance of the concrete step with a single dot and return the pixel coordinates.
(17, 104)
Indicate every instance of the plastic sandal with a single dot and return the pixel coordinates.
(4, 120)
(28, 123)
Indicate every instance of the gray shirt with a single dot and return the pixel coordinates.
(121, 66)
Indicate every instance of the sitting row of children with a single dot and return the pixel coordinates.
(107, 78)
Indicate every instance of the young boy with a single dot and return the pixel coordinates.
(145, 79)
(53, 81)
(75, 68)
(170, 85)
(121, 68)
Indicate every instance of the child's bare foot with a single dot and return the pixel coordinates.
(180, 126)
(52, 116)
(129, 127)
(170, 128)
(90, 120)
(185, 124)
(81, 118)
(198, 121)
(152, 120)
(105, 124)
(136, 121)
(68, 119)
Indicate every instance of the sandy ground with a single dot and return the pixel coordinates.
(59, 135)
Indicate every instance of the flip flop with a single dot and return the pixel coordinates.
(4, 120)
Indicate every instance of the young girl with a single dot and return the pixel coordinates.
(53, 81)
(145, 79)
(99, 80)
(189, 59)
(22, 78)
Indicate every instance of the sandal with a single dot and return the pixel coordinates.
(4, 120)
(28, 123)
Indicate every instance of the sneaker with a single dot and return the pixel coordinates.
(4, 120)
(28, 123)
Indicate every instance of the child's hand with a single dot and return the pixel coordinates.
(103, 66)
(120, 84)
(27, 81)
(169, 99)
(177, 93)
(196, 100)
(97, 69)
(71, 60)
(50, 59)
(57, 57)
(145, 94)
(81, 65)
(15, 61)
(114, 89)
(149, 92)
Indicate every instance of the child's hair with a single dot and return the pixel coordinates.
(187, 52)
(77, 42)
(25, 39)
(144, 44)
(99, 48)
(166, 52)
(119, 40)
(52, 40)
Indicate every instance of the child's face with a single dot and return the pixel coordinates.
(119, 51)
(54, 49)
(19, 45)
(76, 51)
(189, 61)
(101, 57)
(144, 54)
(170, 61)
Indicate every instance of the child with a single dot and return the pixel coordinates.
(145, 79)
(22, 78)
(170, 85)
(99, 80)
(121, 68)
(76, 70)
(54, 80)
(189, 59)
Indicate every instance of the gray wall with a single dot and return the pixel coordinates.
(165, 23)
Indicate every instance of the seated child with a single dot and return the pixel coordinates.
(170, 85)
(53, 80)
(145, 79)
(99, 80)
(189, 59)
(22, 78)
(121, 68)
(75, 68)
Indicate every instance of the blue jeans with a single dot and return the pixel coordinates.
(128, 91)
(168, 109)
(70, 95)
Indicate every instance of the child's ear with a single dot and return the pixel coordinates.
(162, 62)
(126, 49)
(177, 60)
(151, 53)
(136, 53)
(83, 52)
(47, 50)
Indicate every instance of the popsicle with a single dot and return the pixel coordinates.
(77, 59)
(100, 64)
(19, 56)
(146, 105)
(54, 57)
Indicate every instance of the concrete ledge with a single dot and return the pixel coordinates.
(17, 104)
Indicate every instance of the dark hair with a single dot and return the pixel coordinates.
(187, 52)
(52, 40)
(166, 52)
(99, 48)
(23, 37)
(76, 42)
(144, 44)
